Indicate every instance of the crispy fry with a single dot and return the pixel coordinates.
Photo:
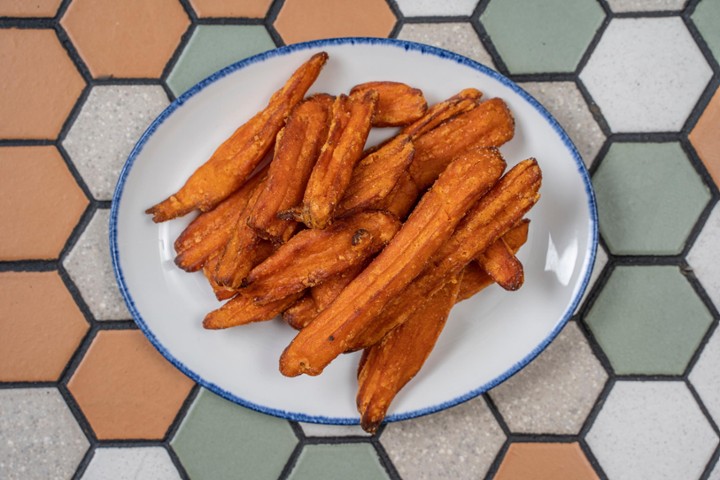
(231, 164)
(431, 223)
(502, 265)
(221, 292)
(398, 103)
(403, 197)
(489, 125)
(496, 213)
(376, 175)
(243, 250)
(313, 256)
(464, 101)
(210, 231)
(296, 150)
(387, 366)
(331, 175)
(241, 310)
(301, 313)
(475, 278)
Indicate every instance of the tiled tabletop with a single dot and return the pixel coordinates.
(629, 390)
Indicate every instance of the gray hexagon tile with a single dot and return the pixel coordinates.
(108, 126)
(140, 463)
(322, 430)
(704, 254)
(458, 443)
(39, 436)
(619, 6)
(554, 393)
(567, 105)
(89, 266)
(651, 430)
(715, 474)
(457, 37)
(426, 8)
(655, 83)
(705, 376)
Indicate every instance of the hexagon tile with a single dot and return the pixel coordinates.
(458, 37)
(141, 463)
(25, 8)
(706, 17)
(705, 376)
(705, 139)
(352, 461)
(704, 254)
(545, 461)
(225, 8)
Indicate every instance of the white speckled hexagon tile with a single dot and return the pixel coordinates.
(628, 390)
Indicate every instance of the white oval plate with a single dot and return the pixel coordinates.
(487, 338)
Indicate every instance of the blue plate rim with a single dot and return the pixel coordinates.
(407, 45)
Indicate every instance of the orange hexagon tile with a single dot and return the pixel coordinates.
(301, 20)
(128, 38)
(29, 8)
(40, 203)
(231, 8)
(705, 137)
(126, 389)
(545, 461)
(40, 84)
(41, 324)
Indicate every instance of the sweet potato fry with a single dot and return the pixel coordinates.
(387, 366)
(296, 150)
(502, 265)
(376, 175)
(488, 125)
(241, 310)
(231, 164)
(210, 231)
(496, 213)
(464, 101)
(313, 255)
(301, 313)
(331, 175)
(475, 278)
(403, 197)
(398, 104)
(430, 224)
(221, 292)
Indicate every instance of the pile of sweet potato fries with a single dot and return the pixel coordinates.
(358, 249)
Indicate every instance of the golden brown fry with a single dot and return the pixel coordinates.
(502, 265)
(301, 313)
(464, 101)
(243, 250)
(475, 278)
(312, 256)
(431, 223)
(232, 163)
(210, 231)
(489, 125)
(296, 150)
(387, 366)
(403, 197)
(221, 292)
(376, 175)
(242, 310)
(398, 104)
(496, 213)
(331, 175)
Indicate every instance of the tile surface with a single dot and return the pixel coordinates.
(302, 20)
(149, 32)
(29, 8)
(89, 267)
(40, 84)
(41, 324)
(705, 139)
(565, 102)
(638, 90)
(213, 47)
(648, 320)
(39, 436)
(705, 376)
(601, 260)
(556, 391)
(106, 130)
(357, 461)
(230, 8)
(704, 254)
(706, 18)
(40, 203)
(460, 442)
(649, 197)
(457, 37)
(646, 5)
(651, 430)
(142, 463)
(426, 8)
(218, 439)
(323, 430)
(549, 36)
(545, 461)
(126, 389)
